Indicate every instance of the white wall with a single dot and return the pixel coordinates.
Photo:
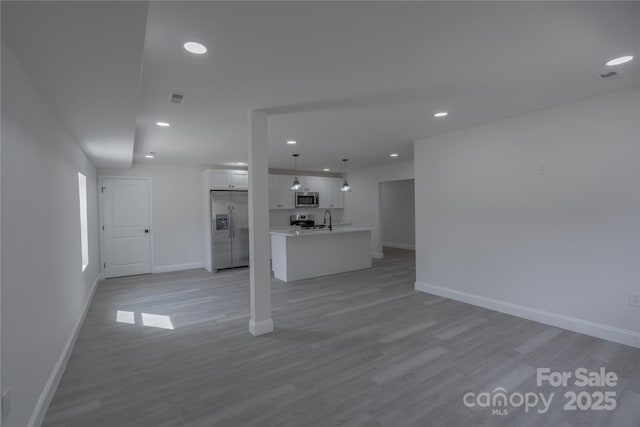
(362, 203)
(398, 214)
(537, 215)
(44, 291)
(177, 197)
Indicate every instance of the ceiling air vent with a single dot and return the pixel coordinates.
(608, 75)
(176, 98)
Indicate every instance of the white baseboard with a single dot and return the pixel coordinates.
(399, 245)
(598, 330)
(377, 255)
(37, 416)
(260, 328)
(176, 267)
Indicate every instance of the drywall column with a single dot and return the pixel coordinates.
(259, 271)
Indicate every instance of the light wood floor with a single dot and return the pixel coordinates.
(361, 348)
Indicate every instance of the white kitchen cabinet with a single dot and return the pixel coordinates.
(239, 180)
(280, 194)
(309, 183)
(336, 196)
(330, 195)
(218, 178)
(224, 179)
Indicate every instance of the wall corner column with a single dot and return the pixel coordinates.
(259, 239)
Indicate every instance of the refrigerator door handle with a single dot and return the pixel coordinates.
(230, 215)
(233, 223)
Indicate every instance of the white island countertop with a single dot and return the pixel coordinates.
(301, 254)
(320, 232)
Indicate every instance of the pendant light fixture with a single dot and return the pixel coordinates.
(345, 184)
(296, 183)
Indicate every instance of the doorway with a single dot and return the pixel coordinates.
(125, 229)
(397, 214)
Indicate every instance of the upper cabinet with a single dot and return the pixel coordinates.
(330, 195)
(223, 179)
(280, 194)
(309, 184)
(239, 179)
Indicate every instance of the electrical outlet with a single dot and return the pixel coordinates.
(634, 298)
(6, 404)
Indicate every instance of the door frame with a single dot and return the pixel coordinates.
(380, 209)
(101, 179)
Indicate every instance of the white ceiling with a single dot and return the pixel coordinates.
(345, 79)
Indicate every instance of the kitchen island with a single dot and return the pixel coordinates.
(302, 254)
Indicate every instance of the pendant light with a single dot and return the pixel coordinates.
(345, 184)
(296, 183)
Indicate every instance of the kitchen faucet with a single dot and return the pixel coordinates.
(325, 219)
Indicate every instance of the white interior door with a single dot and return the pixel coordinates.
(126, 232)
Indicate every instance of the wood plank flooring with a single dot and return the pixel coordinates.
(355, 349)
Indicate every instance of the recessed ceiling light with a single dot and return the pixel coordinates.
(393, 155)
(195, 48)
(163, 124)
(440, 114)
(326, 169)
(149, 156)
(619, 60)
(291, 142)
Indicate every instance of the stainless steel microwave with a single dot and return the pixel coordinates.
(307, 200)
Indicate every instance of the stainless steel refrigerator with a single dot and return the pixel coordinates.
(229, 229)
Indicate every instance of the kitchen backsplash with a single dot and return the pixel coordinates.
(280, 217)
